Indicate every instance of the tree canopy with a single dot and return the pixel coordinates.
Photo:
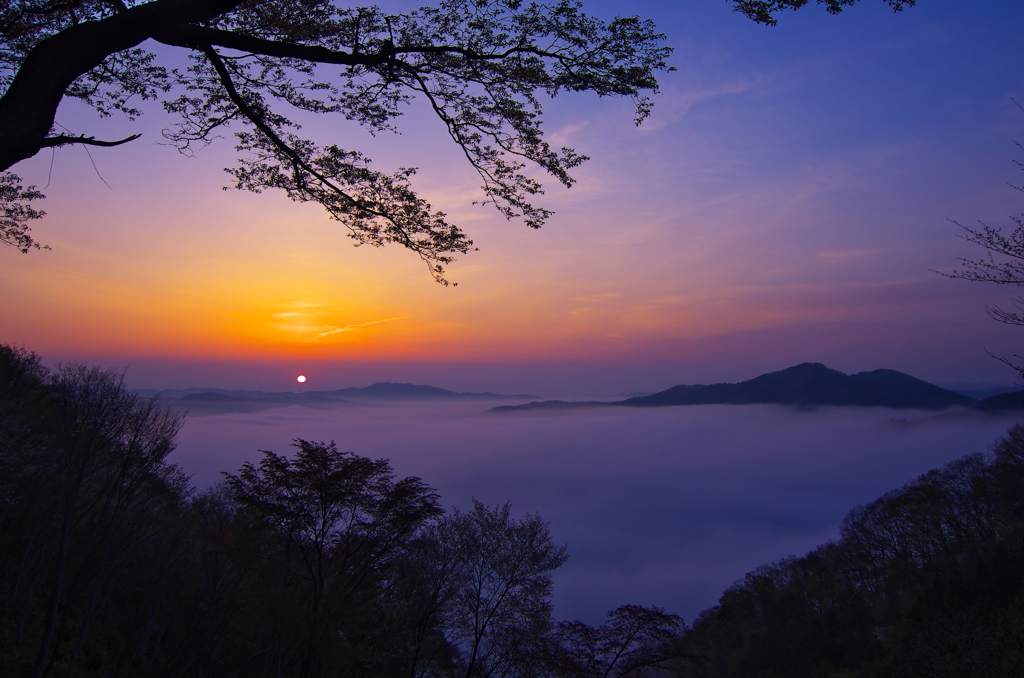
(482, 66)
(763, 11)
(927, 580)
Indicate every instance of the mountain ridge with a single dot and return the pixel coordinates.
(381, 390)
(806, 385)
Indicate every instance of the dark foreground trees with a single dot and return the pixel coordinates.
(636, 641)
(926, 581)
(318, 564)
(323, 563)
(87, 500)
(335, 527)
(482, 67)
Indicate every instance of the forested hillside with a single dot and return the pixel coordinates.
(928, 580)
(324, 563)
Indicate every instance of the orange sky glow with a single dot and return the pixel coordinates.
(763, 216)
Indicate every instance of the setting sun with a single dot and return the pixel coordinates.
(301, 379)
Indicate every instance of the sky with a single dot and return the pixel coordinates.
(789, 200)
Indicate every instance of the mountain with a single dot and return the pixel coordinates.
(806, 385)
(980, 390)
(209, 397)
(383, 390)
(554, 405)
(378, 391)
(1003, 401)
(813, 384)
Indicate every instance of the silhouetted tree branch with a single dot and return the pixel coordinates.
(64, 140)
(763, 11)
(481, 66)
(1003, 264)
(15, 204)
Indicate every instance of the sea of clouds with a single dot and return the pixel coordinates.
(662, 506)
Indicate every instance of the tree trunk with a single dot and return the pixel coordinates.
(51, 612)
(28, 107)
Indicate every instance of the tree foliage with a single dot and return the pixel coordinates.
(764, 11)
(15, 201)
(482, 67)
(86, 489)
(338, 527)
(928, 580)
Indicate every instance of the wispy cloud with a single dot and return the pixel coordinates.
(846, 255)
(348, 328)
(674, 104)
(566, 135)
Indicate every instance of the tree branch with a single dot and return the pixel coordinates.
(194, 37)
(256, 118)
(64, 140)
(28, 107)
(400, 232)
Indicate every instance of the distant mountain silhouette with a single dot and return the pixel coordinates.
(805, 385)
(555, 405)
(812, 384)
(980, 391)
(1003, 401)
(808, 385)
(377, 391)
(383, 390)
(209, 397)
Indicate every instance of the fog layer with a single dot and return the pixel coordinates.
(662, 506)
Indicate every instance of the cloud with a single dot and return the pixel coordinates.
(566, 135)
(675, 104)
(348, 328)
(830, 256)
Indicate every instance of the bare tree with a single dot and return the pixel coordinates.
(1002, 264)
(636, 641)
(502, 608)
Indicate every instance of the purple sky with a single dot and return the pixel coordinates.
(785, 203)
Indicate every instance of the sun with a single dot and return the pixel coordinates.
(300, 379)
